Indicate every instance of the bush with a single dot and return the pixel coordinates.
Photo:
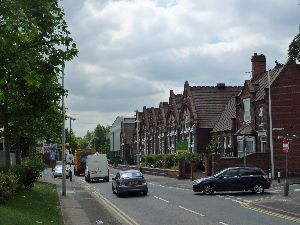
(29, 171)
(170, 161)
(8, 186)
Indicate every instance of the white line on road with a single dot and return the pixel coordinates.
(223, 223)
(189, 210)
(236, 201)
(296, 189)
(161, 199)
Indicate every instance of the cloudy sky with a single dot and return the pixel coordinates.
(133, 52)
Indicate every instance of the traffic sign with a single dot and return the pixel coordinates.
(285, 145)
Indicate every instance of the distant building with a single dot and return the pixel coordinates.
(115, 133)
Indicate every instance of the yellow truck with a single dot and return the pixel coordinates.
(80, 159)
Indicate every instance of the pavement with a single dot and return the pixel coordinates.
(80, 207)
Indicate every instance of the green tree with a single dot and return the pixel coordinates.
(34, 45)
(214, 146)
(100, 136)
(294, 48)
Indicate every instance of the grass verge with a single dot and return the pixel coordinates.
(39, 205)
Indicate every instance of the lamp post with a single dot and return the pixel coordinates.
(63, 137)
(71, 118)
(137, 138)
(271, 126)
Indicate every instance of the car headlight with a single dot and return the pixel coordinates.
(121, 183)
(195, 182)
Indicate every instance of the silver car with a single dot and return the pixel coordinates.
(57, 172)
(129, 181)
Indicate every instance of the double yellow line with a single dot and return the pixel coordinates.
(248, 204)
(115, 209)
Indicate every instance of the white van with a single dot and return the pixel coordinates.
(96, 168)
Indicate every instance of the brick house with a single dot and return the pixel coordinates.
(244, 126)
(202, 106)
(162, 127)
(127, 133)
(173, 121)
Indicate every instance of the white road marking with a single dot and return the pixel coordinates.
(223, 223)
(236, 201)
(296, 189)
(161, 199)
(189, 210)
(275, 191)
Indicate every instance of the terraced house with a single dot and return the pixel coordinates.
(237, 116)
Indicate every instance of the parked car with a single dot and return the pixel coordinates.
(129, 181)
(57, 171)
(234, 179)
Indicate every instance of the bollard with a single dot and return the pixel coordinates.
(269, 174)
(279, 175)
(70, 175)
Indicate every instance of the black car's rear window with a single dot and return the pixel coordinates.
(131, 174)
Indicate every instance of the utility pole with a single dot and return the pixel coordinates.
(271, 126)
(137, 138)
(63, 137)
(71, 118)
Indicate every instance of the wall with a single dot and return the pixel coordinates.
(285, 114)
(261, 160)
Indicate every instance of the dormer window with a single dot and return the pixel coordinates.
(247, 116)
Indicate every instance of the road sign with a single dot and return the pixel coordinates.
(285, 145)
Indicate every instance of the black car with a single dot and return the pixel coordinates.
(129, 181)
(234, 179)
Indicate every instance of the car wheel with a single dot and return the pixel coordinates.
(258, 188)
(113, 189)
(117, 192)
(208, 189)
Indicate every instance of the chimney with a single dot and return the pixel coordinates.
(258, 64)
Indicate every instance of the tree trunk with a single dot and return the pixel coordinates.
(18, 149)
(6, 142)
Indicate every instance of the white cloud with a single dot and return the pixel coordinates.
(132, 52)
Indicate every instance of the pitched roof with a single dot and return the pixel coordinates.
(225, 120)
(261, 82)
(210, 102)
(246, 129)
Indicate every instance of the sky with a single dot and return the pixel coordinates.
(133, 52)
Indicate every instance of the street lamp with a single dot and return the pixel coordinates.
(137, 137)
(63, 137)
(71, 118)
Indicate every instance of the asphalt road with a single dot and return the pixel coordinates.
(172, 202)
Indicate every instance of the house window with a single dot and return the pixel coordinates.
(263, 144)
(246, 145)
(249, 144)
(247, 116)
